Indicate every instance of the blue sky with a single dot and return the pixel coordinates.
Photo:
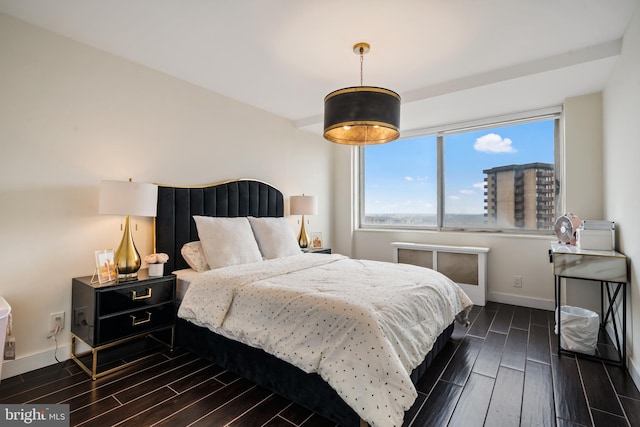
(400, 177)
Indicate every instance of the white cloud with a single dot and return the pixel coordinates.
(454, 197)
(466, 192)
(493, 143)
(482, 185)
(417, 178)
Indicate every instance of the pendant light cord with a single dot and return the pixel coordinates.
(361, 62)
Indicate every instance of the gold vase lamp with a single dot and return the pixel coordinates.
(128, 199)
(303, 205)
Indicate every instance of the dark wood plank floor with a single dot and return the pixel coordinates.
(501, 371)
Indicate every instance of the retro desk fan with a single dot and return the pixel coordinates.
(566, 227)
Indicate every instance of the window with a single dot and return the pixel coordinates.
(401, 183)
(485, 176)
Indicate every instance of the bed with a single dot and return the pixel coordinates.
(215, 337)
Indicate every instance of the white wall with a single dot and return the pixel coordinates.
(510, 255)
(583, 180)
(621, 99)
(71, 116)
(583, 155)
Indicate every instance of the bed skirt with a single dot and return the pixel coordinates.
(308, 390)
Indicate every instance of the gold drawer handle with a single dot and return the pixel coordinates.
(135, 297)
(136, 322)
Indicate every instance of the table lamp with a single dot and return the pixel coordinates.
(129, 199)
(303, 205)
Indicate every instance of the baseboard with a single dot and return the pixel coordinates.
(541, 304)
(11, 368)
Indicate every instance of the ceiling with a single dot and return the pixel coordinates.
(450, 60)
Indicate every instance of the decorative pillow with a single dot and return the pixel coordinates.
(227, 241)
(193, 254)
(275, 237)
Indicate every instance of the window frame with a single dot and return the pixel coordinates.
(440, 132)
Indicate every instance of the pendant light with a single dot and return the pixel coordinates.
(362, 115)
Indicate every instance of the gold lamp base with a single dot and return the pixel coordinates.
(303, 236)
(127, 257)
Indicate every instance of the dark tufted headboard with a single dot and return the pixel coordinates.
(177, 205)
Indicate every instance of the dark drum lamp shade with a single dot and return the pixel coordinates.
(362, 115)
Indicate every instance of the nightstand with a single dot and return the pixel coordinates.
(107, 315)
(316, 250)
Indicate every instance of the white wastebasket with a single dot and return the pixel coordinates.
(579, 329)
(5, 310)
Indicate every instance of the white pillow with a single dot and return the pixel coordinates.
(193, 254)
(275, 237)
(227, 241)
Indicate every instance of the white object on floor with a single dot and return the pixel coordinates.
(5, 311)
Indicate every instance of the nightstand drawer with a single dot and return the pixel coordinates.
(132, 323)
(122, 298)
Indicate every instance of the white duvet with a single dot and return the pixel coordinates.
(363, 326)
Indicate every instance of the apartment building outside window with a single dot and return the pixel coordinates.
(520, 195)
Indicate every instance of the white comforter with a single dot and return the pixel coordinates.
(363, 326)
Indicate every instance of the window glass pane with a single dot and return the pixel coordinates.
(500, 177)
(400, 183)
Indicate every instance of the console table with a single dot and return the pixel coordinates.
(610, 269)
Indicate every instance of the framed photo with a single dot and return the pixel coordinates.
(316, 240)
(105, 266)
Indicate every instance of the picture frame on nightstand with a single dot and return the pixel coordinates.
(316, 240)
(105, 266)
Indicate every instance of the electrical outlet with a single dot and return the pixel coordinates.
(10, 348)
(56, 319)
(517, 281)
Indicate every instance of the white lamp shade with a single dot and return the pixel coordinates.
(128, 198)
(303, 205)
